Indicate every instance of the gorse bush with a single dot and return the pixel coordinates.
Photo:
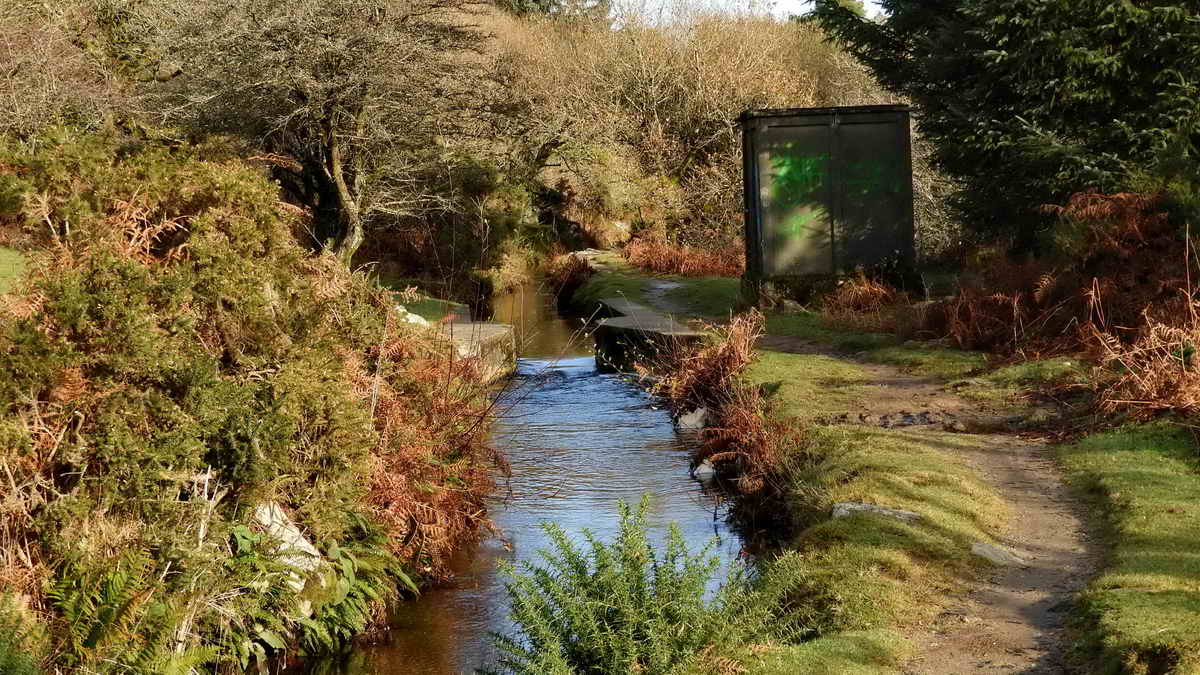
(613, 608)
(174, 362)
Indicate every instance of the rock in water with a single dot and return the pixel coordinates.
(847, 509)
(703, 471)
(693, 420)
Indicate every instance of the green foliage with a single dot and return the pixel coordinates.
(1029, 101)
(361, 582)
(22, 641)
(187, 362)
(115, 619)
(615, 608)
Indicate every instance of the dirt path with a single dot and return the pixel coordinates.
(1013, 621)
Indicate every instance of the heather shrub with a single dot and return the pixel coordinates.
(174, 361)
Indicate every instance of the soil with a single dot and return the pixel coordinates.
(1013, 620)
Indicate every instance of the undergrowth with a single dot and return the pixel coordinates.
(173, 362)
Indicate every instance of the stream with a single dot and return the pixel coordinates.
(578, 441)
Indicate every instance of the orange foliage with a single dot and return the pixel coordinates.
(432, 428)
(655, 254)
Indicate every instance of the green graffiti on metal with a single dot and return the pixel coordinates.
(797, 180)
(866, 178)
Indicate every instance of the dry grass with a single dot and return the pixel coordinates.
(657, 255)
(864, 304)
(1126, 298)
(47, 75)
(1159, 372)
(742, 438)
(639, 124)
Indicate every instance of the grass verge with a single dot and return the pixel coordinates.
(709, 297)
(1142, 613)
(435, 309)
(912, 357)
(855, 585)
(827, 385)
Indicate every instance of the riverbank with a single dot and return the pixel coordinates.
(222, 451)
(941, 433)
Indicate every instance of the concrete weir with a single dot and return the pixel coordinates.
(492, 343)
(634, 332)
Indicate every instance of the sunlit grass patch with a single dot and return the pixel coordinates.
(706, 296)
(435, 309)
(1006, 385)
(612, 285)
(873, 573)
(868, 652)
(12, 265)
(912, 357)
(1142, 613)
(809, 385)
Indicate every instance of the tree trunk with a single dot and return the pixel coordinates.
(350, 217)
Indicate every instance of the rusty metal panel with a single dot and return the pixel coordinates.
(827, 189)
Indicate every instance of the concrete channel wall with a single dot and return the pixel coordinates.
(633, 332)
(493, 344)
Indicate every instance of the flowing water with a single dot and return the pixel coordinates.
(578, 441)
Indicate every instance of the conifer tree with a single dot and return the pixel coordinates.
(1029, 101)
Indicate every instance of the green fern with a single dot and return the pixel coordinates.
(615, 608)
(362, 584)
(113, 620)
(22, 642)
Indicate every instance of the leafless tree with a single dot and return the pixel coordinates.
(51, 69)
(348, 97)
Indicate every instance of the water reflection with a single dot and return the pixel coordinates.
(578, 441)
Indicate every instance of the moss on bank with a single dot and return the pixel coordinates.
(1142, 613)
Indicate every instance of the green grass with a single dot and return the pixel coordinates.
(713, 297)
(868, 652)
(809, 385)
(433, 309)
(705, 297)
(1006, 385)
(1142, 613)
(912, 357)
(611, 284)
(12, 265)
(866, 578)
